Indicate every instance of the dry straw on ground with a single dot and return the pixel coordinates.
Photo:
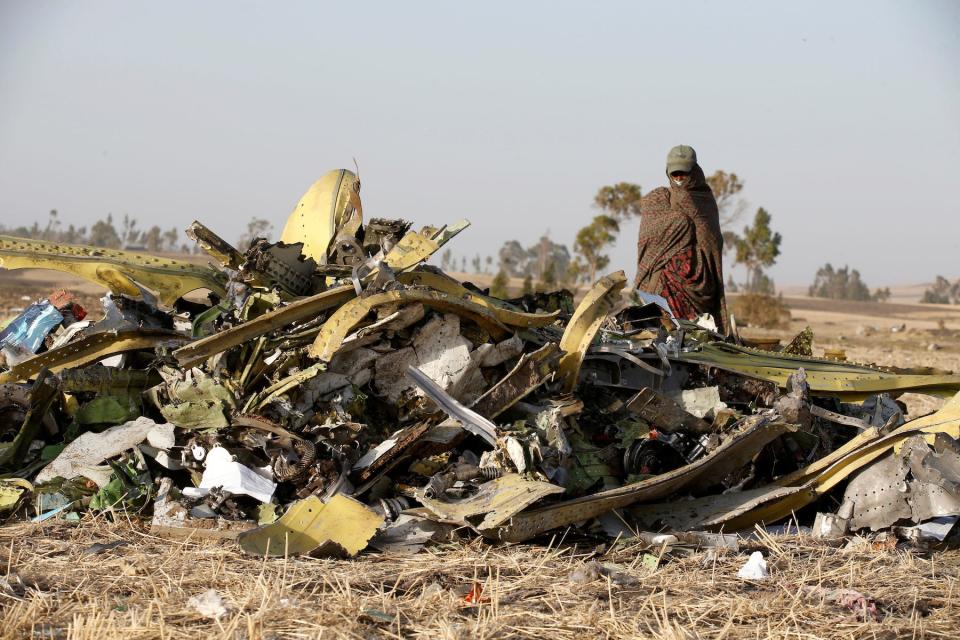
(55, 587)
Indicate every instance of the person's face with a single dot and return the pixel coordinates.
(680, 177)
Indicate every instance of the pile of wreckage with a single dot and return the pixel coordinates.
(332, 392)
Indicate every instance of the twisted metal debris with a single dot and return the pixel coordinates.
(332, 391)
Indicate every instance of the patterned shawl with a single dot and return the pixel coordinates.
(677, 219)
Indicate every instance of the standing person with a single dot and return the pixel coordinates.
(680, 247)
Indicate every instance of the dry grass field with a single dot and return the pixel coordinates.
(56, 584)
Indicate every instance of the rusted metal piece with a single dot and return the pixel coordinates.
(530, 372)
(119, 271)
(408, 437)
(665, 414)
(345, 319)
(590, 314)
(198, 351)
(90, 349)
(284, 471)
(260, 423)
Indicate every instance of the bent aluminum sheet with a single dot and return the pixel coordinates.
(772, 504)
(119, 271)
(733, 453)
(583, 326)
(851, 382)
(341, 526)
(345, 319)
(90, 349)
(497, 501)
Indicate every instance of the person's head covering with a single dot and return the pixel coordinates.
(681, 158)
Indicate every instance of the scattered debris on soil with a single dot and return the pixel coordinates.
(332, 393)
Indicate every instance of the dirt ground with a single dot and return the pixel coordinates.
(887, 334)
(54, 584)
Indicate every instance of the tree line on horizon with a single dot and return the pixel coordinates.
(102, 233)
(547, 264)
(127, 235)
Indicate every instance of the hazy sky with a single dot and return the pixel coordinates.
(843, 118)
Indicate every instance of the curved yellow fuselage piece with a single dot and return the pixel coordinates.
(327, 204)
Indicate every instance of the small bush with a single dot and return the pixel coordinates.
(759, 310)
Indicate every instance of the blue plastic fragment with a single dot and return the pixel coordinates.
(25, 333)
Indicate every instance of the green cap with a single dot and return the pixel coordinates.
(681, 158)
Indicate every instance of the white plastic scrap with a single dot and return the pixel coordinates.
(516, 453)
(706, 321)
(222, 471)
(83, 456)
(159, 442)
(209, 604)
(755, 568)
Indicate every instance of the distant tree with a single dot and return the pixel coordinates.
(758, 248)
(548, 281)
(476, 263)
(73, 235)
(513, 258)
(53, 226)
(489, 266)
(446, 258)
(838, 284)
(104, 234)
(256, 228)
(153, 238)
(518, 262)
(498, 288)
(576, 271)
(130, 236)
(170, 239)
(881, 295)
(463, 264)
(762, 284)
(545, 253)
(942, 292)
(592, 240)
(527, 284)
(726, 189)
(620, 201)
